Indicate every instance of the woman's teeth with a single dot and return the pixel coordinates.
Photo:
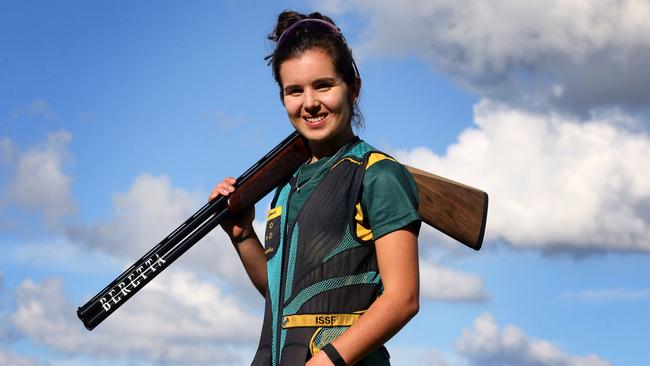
(314, 119)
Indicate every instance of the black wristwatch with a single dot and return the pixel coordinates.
(334, 355)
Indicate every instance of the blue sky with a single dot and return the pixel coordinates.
(117, 119)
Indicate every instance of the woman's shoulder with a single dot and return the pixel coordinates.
(390, 197)
(376, 162)
(363, 151)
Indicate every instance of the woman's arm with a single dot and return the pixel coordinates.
(397, 256)
(251, 254)
(240, 230)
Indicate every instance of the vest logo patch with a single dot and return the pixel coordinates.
(273, 213)
(325, 319)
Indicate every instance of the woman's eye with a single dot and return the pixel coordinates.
(293, 92)
(323, 87)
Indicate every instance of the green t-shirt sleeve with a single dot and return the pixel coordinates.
(390, 198)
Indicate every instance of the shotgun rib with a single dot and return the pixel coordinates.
(269, 172)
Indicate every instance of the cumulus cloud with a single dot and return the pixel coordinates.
(35, 108)
(608, 295)
(53, 254)
(555, 183)
(40, 183)
(177, 319)
(150, 210)
(7, 150)
(11, 359)
(435, 358)
(573, 54)
(488, 344)
(445, 284)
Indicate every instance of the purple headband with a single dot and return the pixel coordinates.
(308, 24)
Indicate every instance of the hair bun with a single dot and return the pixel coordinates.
(288, 17)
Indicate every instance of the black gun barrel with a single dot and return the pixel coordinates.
(274, 168)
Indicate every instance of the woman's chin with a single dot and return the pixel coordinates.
(313, 134)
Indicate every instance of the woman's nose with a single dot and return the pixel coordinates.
(311, 101)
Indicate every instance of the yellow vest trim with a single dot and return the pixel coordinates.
(319, 320)
(375, 158)
(363, 232)
(273, 213)
(340, 161)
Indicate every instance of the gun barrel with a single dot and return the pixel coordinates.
(274, 168)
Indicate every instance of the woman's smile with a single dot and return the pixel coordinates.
(316, 121)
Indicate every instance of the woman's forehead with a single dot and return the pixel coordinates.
(313, 63)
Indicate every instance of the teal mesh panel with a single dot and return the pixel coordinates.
(327, 335)
(348, 242)
(283, 338)
(360, 149)
(329, 284)
(291, 265)
(274, 268)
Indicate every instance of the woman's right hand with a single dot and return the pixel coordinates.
(238, 226)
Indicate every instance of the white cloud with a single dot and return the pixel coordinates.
(150, 210)
(445, 284)
(56, 253)
(35, 108)
(144, 215)
(401, 354)
(555, 183)
(608, 295)
(488, 344)
(7, 150)
(40, 183)
(435, 358)
(577, 54)
(8, 358)
(177, 319)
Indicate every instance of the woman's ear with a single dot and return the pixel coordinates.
(356, 88)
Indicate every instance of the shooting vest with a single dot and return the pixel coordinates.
(321, 274)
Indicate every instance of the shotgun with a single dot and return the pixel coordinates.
(457, 210)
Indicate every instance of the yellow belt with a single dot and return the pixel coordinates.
(320, 320)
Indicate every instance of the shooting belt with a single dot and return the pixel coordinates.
(319, 320)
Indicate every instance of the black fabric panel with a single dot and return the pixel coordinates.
(352, 261)
(262, 357)
(325, 216)
(296, 346)
(346, 299)
(267, 327)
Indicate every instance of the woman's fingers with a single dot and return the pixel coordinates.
(223, 188)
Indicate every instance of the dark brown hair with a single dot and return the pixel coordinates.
(303, 40)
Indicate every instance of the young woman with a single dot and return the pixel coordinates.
(339, 266)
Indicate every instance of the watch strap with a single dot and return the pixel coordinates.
(334, 355)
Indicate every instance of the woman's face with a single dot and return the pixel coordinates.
(316, 99)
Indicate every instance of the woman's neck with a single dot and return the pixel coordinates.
(329, 147)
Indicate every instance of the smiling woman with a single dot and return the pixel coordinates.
(316, 100)
(339, 264)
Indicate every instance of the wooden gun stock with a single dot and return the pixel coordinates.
(453, 208)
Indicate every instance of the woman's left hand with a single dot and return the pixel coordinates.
(319, 359)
